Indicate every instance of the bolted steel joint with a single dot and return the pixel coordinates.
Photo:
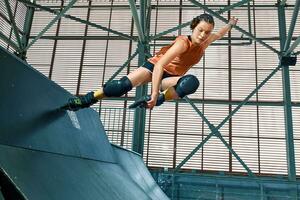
(289, 60)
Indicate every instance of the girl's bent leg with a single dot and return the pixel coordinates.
(113, 88)
(185, 85)
(117, 88)
(173, 88)
(168, 94)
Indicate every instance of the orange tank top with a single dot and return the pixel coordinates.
(183, 62)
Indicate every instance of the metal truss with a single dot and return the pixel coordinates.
(285, 51)
(142, 22)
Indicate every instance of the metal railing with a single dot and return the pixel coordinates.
(118, 125)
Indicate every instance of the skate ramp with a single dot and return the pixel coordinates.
(30, 117)
(133, 165)
(48, 153)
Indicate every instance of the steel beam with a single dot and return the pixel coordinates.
(128, 37)
(80, 37)
(288, 118)
(143, 15)
(9, 41)
(27, 28)
(140, 113)
(148, 18)
(214, 131)
(249, 96)
(27, 25)
(189, 22)
(293, 46)
(282, 24)
(163, 38)
(139, 122)
(8, 21)
(231, 7)
(283, 2)
(136, 20)
(51, 23)
(80, 20)
(120, 7)
(229, 116)
(215, 14)
(170, 30)
(292, 26)
(13, 24)
(123, 66)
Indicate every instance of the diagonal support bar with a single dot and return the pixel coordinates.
(199, 146)
(292, 25)
(13, 23)
(124, 65)
(231, 7)
(8, 41)
(189, 22)
(148, 18)
(229, 116)
(51, 23)
(293, 46)
(249, 96)
(136, 20)
(170, 30)
(216, 132)
(236, 155)
(142, 19)
(235, 27)
(282, 2)
(77, 19)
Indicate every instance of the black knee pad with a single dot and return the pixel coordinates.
(117, 88)
(187, 84)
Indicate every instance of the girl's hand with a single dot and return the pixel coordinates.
(152, 102)
(233, 21)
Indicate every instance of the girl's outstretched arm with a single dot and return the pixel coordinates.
(216, 36)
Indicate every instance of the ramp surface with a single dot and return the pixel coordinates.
(134, 166)
(54, 154)
(30, 119)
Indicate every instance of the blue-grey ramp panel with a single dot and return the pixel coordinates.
(133, 165)
(29, 116)
(49, 153)
(48, 176)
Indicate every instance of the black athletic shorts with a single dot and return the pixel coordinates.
(148, 65)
